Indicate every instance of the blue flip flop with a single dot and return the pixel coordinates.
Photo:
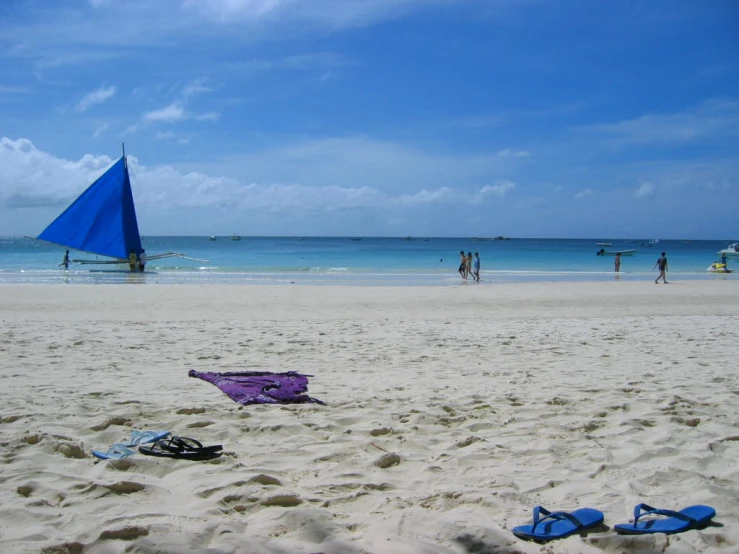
(121, 450)
(558, 525)
(143, 437)
(675, 522)
(115, 452)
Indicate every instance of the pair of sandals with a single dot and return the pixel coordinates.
(181, 448)
(548, 525)
(121, 450)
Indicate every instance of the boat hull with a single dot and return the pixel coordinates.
(731, 251)
(604, 252)
(729, 254)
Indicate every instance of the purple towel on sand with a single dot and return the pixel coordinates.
(260, 387)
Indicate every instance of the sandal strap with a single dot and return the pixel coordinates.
(180, 444)
(645, 509)
(539, 511)
(186, 445)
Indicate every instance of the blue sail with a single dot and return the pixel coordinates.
(102, 220)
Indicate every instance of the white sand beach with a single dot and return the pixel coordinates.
(495, 399)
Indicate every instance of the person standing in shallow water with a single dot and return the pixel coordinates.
(142, 260)
(617, 263)
(132, 259)
(662, 265)
(462, 264)
(65, 260)
(476, 267)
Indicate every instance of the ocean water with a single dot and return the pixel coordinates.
(363, 261)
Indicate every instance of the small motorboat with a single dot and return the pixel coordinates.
(604, 252)
(731, 251)
(212, 237)
(718, 267)
(235, 237)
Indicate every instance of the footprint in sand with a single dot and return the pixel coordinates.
(190, 411)
(112, 421)
(282, 500)
(125, 534)
(64, 548)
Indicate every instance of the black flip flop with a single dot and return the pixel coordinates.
(182, 448)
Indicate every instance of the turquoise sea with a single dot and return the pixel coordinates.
(363, 261)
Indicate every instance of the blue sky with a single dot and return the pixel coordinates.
(522, 118)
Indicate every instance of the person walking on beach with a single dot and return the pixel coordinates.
(142, 260)
(617, 263)
(476, 268)
(468, 264)
(662, 265)
(132, 261)
(65, 260)
(462, 264)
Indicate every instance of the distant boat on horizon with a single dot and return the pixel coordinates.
(212, 237)
(235, 237)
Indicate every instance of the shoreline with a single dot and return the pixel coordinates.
(495, 400)
(339, 278)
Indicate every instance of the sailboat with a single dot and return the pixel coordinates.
(102, 220)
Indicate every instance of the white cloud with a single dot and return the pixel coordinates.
(497, 190)
(176, 111)
(711, 118)
(75, 33)
(324, 13)
(195, 88)
(168, 114)
(336, 186)
(171, 137)
(100, 130)
(358, 161)
(646, 190)
(26, 174)
(429, 196)
(30, 177)
(95, 97)
(212, 116)
(583, 194)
